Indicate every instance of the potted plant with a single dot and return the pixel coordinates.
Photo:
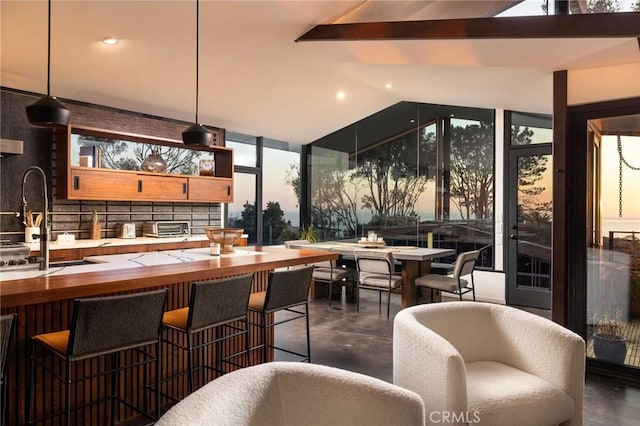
(310, 234)
(609, 344)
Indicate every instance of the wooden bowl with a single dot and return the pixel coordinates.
(226, 237)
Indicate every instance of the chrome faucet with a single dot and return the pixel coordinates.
(44, 225)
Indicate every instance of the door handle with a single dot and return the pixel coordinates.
(513, 236)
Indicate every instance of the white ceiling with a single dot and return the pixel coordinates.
(255, 79)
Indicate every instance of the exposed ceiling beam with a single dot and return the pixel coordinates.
(601, 25)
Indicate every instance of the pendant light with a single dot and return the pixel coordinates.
(196, 134)
(48, 111)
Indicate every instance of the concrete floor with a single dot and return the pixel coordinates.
(340, 337)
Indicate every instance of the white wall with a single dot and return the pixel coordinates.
(598, 84)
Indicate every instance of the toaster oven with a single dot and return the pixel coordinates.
(161, 229)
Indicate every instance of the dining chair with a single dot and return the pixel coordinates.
(376, 271)
(331, 273)
(328, 272)
(455, 284)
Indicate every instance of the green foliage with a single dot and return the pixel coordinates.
(603, 6)
(472, 170)
(390, 174)
(247, 221)
(310, 234)
(274, 225)
(275, 229)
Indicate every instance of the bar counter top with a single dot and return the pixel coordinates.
(44, 301)
(115, 242)
(116, 273)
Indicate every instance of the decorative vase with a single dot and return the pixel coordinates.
(610, 349)
(154, 163)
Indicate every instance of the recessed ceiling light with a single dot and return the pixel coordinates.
(111, 41)
(341, 95)
(388, 86)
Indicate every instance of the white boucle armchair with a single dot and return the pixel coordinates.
(474, 362)
(297, 394)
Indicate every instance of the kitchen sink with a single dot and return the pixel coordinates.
(71, 263)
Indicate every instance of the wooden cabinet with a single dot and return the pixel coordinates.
(163, 188)
(202, 189)
(86, 172)
(96, 184)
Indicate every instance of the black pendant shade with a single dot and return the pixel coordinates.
(196, 134)
(48, 111)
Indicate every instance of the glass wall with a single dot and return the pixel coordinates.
(416, 174)
(613, 252)
(280, 192)
(242, 213)
(267, 173)
(548, 7)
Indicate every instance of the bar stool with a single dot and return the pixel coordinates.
(212, 304)
(102, 326)
(7, 323)
(286, 290)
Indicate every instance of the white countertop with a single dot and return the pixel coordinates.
(111, 242)
(123, 261)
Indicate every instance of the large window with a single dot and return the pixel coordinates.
(266, 175)
(416, 174)
(280, 192)
(613, 244)
(548, 7)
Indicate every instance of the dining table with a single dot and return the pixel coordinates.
(415, 262)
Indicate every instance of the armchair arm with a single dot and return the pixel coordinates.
(427, 364)
(544, 349)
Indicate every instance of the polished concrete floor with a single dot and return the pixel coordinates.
(340, 337)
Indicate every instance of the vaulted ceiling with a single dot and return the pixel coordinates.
(254, 77)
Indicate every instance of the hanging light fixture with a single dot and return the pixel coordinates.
(48, 111)
(196, 134)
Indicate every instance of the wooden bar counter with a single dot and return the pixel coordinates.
(44, 303)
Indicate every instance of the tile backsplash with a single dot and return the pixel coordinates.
(74, 217)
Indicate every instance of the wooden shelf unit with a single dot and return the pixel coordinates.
(95, 183)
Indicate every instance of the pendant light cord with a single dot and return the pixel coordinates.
(197, 54)
(49, 49)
